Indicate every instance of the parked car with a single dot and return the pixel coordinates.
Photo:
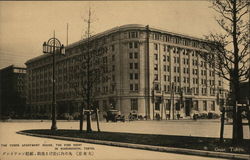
(114, 116)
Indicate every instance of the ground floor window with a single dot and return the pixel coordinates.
(204, 105)
(195, 103)
(157, 106)
(168, 104)
(134, 104)
(177, 105)
(213, 106)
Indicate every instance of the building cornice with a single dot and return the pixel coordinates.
(134, 27)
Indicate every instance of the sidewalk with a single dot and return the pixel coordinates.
(147, 147)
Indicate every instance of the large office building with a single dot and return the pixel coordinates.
(12, 91)
(148, 71)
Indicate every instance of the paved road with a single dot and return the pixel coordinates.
(8, 136)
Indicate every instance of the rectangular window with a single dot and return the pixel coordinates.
(130, 55)
(165, 78)
(135, 55)
(133, 34)
(131, 76)
(204, 105)
(195, 103)
(131, 65)
(131, 87)
(134, 104)
(168, 58)
(213, 106)
(136, 87)
(136, 75)
(157, 106)
(178, 79)
(130, 45)
(136, 65)
(135, 44)
(165, 68)
(164, 58)
(113, 48)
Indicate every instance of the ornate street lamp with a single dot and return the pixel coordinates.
(53, 46)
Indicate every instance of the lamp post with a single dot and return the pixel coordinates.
(172, 93)
(53, 46)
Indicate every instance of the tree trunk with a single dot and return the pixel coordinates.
(237, 119)
(237, 125)
(97, 120)
(89, 130)
(222, 124)
(81, 119)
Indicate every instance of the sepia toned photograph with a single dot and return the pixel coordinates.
(125, 80)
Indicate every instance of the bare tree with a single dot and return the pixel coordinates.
(229, 51)
(86, 76)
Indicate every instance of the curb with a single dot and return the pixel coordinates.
(147, 147)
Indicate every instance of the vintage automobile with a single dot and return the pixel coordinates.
(114, 116)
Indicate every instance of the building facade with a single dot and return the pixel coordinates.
(12, 91)
(147, 71)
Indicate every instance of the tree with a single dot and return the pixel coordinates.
(86, 76)
(229, 52)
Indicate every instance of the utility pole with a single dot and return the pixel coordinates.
(153, 101)
(162, 105)
(147, 79)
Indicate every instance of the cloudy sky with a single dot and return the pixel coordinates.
(25, 25)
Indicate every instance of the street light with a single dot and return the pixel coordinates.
(53, 46)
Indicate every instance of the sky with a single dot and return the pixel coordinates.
(25, 25)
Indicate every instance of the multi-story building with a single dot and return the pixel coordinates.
(12, 91)
(149, 71)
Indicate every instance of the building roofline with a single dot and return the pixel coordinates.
(135, 26)
(13, 66)
(121, 28)
(36, 58)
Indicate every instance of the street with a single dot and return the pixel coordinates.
(19, 144)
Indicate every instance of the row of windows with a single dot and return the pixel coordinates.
(134, 87)
(133, 65)
(133, 76)
(177, 60)
(133, 55)
(169, 38)
(133, 45)
(177, 50)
